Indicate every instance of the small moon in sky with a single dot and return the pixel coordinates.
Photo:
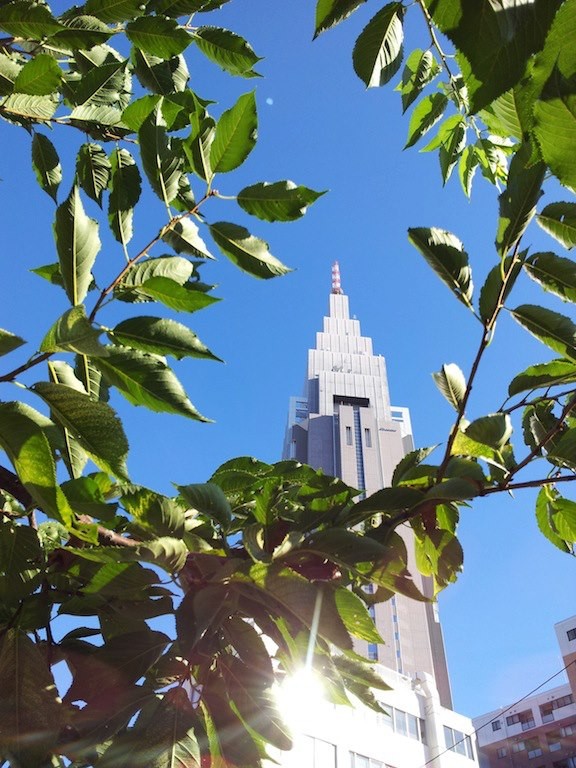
(269, 101)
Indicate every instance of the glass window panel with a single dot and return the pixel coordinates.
(400, 722)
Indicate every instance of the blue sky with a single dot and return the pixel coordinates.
(320, 127)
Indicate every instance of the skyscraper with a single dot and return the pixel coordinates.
(345, 425)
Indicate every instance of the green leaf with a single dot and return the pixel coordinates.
(424, 116)
(82, 32)
(161, 164)
(93, 171)
(554, 273)
(494, 40)
(166, 552)
(451, 383)
(39, 77)
(556, 331)
(420, 69)
(31, 714)
(9, 69)
(246, 251)
(73, 332)
(563, 450)
(46, 164)
(93, 424)
(183, 236)
(329, 13)
(23, 437)
(235, 135)
(36, 108)
(548, 516)
(24, 20)
(551, 374)
(9, 341)
(175, 268)
(467, 166)
(160, 336)
(227, 49)
(453, 141)
(377, 53)
(108, 85)
(158, 36)
(77, 243)
(355, 616)
(182, 298)
(559, 220)
(518, 200)
(493, 294)
(114, 11)
(125, 188)
(162, 76)
(209, 500)
(502, 116)
(447, 257)
(408, 462)
(555, 124)
(278, 201)
(177, 8)
(146, 380)
(198, 148)
(493, 430)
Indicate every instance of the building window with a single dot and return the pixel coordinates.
(571, 634)
(496, 725)
(525, 718)
(555, 746)
(348, 435)
(361, 761)
(568, 730)
(547, 710)
(367, 438)
(518, 746)
(502, 752)
(458, 742)
(534, 753)
(372, 651)
(400, 722)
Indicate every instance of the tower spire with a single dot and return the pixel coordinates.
(336, 286)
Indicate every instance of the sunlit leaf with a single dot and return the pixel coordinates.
(447, 257)
(158, 36)
(227, 49)
(125, 188)
(425, 115)
(451, 382)
(235, 135)
(160, 336)
(377, 53)
(559, 220)
(93, 170)
(40, 76)
(278, 201)
(420, 69)
(46, 164)
(332, 12)
(554, 273)
(556, 331)
(556, 372)
(246, 251)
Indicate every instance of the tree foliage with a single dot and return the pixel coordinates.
(263, 565)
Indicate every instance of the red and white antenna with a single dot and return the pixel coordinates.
(336, 287)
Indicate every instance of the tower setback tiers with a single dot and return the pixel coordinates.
(345, 425)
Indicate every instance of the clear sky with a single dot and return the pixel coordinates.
(319, 126)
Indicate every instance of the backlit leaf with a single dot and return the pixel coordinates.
(447, 257)
(246, 251)
(554, 273)
(73, 332)
(559, 220)
(493, 293)
(420, 69)
(332, 12)
(278, 201)
(183, 236)
(554, 373)
(227, 49)
(9, 341)
(162, 76)
(235, 135)
(93, 170)
(46, 164)
(451, 382)
(160, 336)
(556, 331)
(40, 76)
(125, 188)
(158, 36)
(377, 53)
(22, 19)
(161, 164)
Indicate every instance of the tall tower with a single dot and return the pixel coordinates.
(345, 425)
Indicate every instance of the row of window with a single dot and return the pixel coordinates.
(533, 746)
(526, 718)
(367, 437)
(404, 723)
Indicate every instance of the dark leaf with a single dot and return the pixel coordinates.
(377, 53)
(246, 251)
(447, 257)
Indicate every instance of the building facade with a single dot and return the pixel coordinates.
(345, 424)
(539, 731)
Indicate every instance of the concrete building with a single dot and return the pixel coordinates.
(539, 731)
(345, 424)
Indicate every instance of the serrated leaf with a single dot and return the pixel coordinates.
(114, 11)
(554, 273)
(77, 243)
(425, 115)
(447, 257)
(377, 53)
(554, 373)
(246, 251)
(24, 20)
(9, 341)
(182, 298)
(107, 85)
(162, 76)
(94, 424)
(73, 332)
(9, 69)
(493, 294)
(546, 510)
(235, 135)
(555, 124)
(174, 268)
(493, 430)
(329, 13)
(278, 201)
(420, 69)
(559, 220)
(166, 552)
(46, 164)
(198, 148)
(227, 49)
(502, 116)
(556, 331)
(146, 380)
(209, 500)
(31, 714)
(40, 76)
(125, 188)
(183, 236)
(355, 616)
(30, 107)
(161, 164)
(82, 32)
(467, 166)
(99, 119)
(408, 462)
(518, 201)
(158, 36)
(93, 170)
(161, 337)
(451, 383)
(23, 437)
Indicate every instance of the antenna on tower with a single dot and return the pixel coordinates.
(336, 286)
